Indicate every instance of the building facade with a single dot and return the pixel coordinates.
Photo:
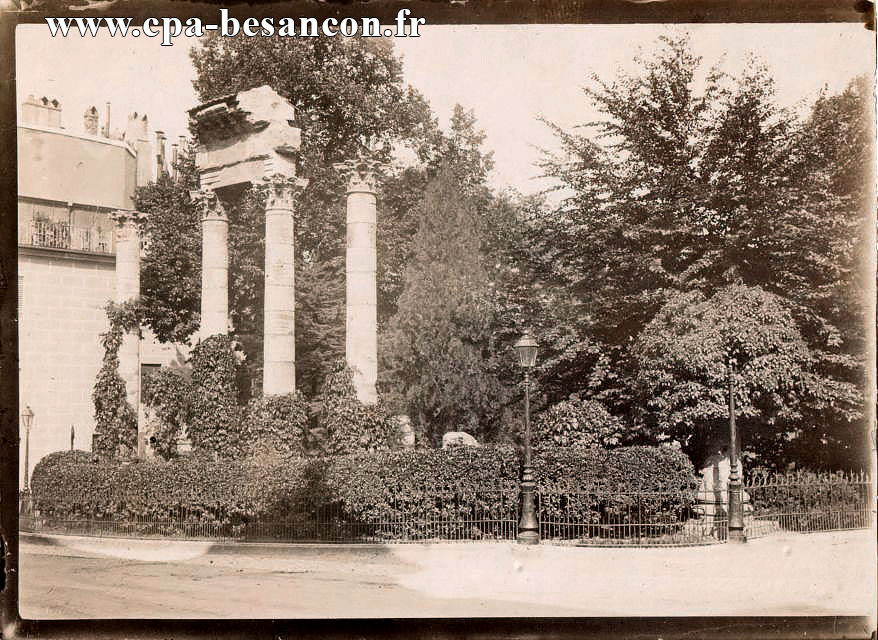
(69, 184)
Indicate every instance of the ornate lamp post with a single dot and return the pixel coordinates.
(736, 492)
(528, 527)
(27, 417)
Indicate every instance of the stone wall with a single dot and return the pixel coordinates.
(61, 319)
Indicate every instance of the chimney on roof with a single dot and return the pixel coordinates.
(137, 137)
(160, 153)
(90, 121)
(175, 156)
(137, 129)
(106, 129)
(41, 112)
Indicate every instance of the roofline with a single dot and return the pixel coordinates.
(63, 132)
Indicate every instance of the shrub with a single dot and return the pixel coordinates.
(626, 469)
(168, 394)
(215, 423)
(809, 501)
(349, 425)
(577, 422)
(427, 493)
(115, 419)
(276, 424)
(624, 485)
(461, 492)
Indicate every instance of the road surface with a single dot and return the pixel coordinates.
(816, 574)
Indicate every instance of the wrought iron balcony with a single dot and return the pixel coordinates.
(62, 235)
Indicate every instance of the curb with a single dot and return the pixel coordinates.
(206, 546)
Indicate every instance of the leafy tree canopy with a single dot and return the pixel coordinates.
(692, 180)
(683, 356)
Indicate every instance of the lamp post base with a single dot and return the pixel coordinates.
(528, 525)
(737, 535)
(736, 510)
(528, 537)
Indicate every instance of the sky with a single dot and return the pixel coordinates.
(509, 75)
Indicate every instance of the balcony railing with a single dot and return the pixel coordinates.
(62, 235)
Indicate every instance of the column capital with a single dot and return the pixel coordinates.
(126, 217)
(208, 204)
(282, 189)
(362, 174)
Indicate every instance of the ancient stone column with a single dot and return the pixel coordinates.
(127, 289)
(279, 341)
(214, 265)
(361, 340)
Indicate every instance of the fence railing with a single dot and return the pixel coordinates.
(630, 518)
(808, 503)
(566, 516)
(62, 235)
(441, 516)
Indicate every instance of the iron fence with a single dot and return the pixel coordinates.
(566, 515)
(445, 516)
(807, 502)
(630, 518)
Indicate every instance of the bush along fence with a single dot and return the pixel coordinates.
(644, 496)
(805, 501)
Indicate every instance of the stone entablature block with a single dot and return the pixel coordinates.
(245, 138)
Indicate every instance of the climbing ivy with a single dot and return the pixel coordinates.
(276, 425)
(349, 425)
(215, 418)
(115, 418)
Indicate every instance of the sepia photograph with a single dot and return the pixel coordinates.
(349, 318)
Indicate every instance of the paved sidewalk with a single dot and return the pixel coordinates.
(816, 574)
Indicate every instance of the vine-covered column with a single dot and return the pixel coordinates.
(128, 290)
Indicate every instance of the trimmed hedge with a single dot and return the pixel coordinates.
(626, 469)
(628, 485)
(414, 494)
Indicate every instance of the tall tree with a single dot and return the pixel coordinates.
(692, 180)
(438, 345)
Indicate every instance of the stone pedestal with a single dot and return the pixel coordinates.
(127, 289)
(279, 342)
(361, 341)
(214, 265)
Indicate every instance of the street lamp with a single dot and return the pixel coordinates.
(27, 417)
(528, 527)
(736, 492)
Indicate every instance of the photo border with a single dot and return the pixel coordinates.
(435, 12)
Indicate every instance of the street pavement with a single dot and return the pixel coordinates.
(73, 577)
